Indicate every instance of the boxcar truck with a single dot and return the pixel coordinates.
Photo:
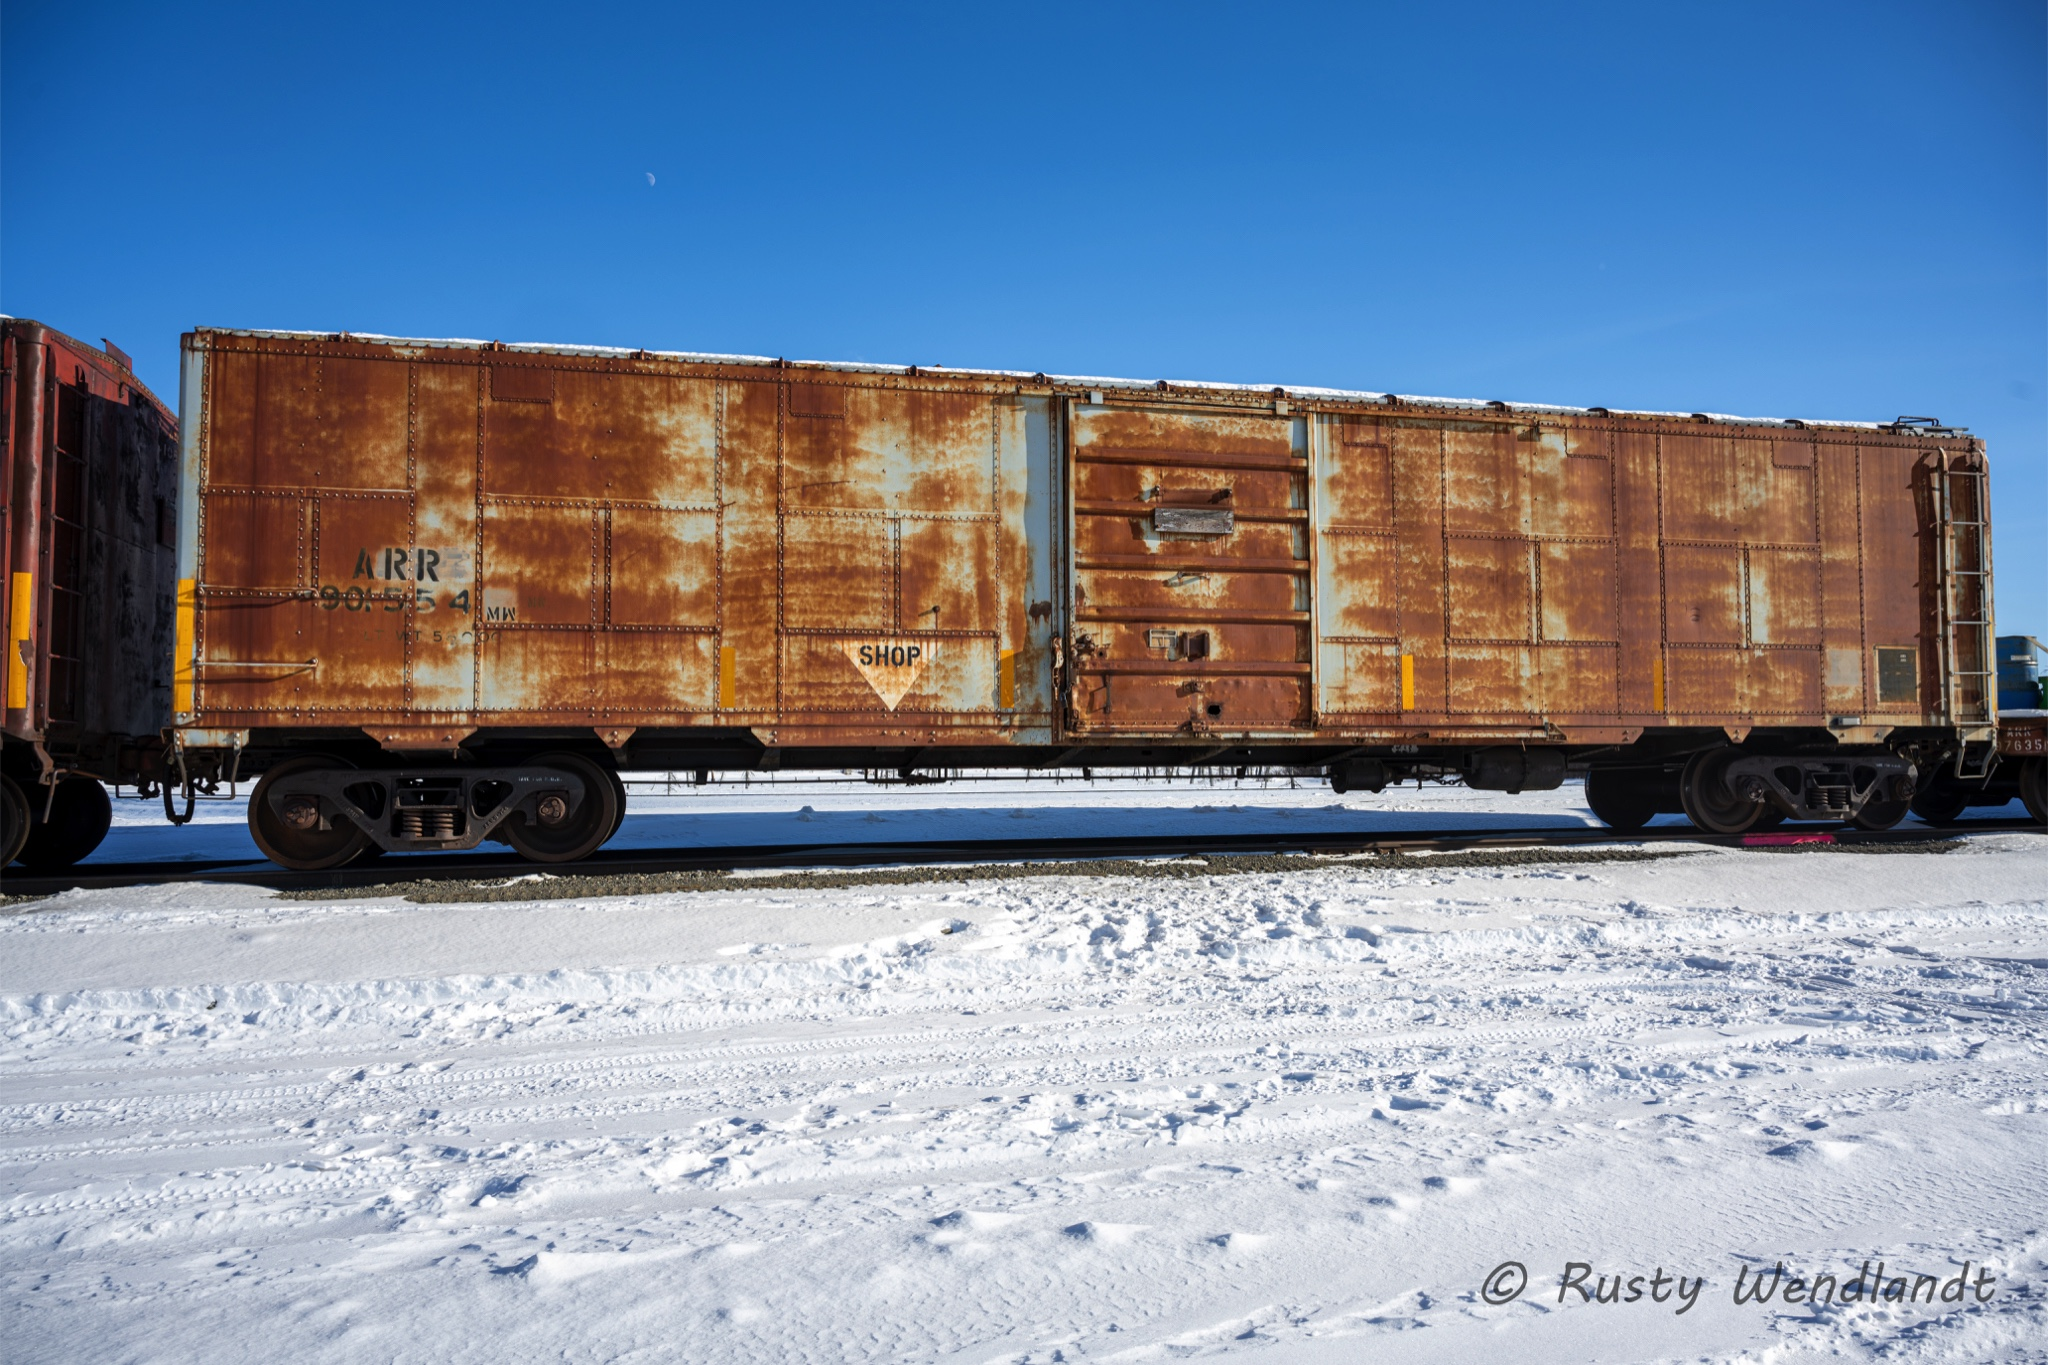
(88, 528)
(435, 592)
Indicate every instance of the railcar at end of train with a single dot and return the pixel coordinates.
(88, 498)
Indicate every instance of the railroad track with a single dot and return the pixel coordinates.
(485, 866)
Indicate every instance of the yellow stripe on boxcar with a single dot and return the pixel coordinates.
(183, 665)
(17, 637)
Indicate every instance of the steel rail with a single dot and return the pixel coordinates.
(478, 866)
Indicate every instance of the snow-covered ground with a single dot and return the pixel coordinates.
(1283, 1117)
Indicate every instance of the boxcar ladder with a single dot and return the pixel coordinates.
(1963, 560)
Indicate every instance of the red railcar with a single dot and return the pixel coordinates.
(88, 528)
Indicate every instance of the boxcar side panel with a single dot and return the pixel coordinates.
(445, 537)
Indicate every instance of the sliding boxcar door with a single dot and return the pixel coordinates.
(1191, 571)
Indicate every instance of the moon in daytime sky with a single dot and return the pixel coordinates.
(650, 177)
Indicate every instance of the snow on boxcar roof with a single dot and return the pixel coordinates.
(1294, 392)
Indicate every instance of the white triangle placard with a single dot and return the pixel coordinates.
(891, 664)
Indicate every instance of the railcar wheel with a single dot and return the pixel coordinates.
(1940, 803)
(2034, 788)
(80, 814)
(1709, 802)
(618, 787)
(13, 821)
(1877, 815)
(1620, 799)
(573, 834)
(308, 848)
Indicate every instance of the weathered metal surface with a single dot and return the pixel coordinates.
(90, 483)
(398, 535)
(451, 538)
(1179, 630)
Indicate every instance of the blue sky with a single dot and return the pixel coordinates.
(1824, 210)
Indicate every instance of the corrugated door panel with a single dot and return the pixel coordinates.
(1122, 487)
(1141, 596)
(1784, 597)
(664, 568)
(1201, 625)
(1122, 699)
(540, 566)
(1490, 580)
(1110, 541)
(1703, 597)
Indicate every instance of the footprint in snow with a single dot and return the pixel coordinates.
(1106, 1234)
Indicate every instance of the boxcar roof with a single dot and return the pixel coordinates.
(1294, 392)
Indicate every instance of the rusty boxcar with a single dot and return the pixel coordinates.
(442, 591)
(88, 495)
